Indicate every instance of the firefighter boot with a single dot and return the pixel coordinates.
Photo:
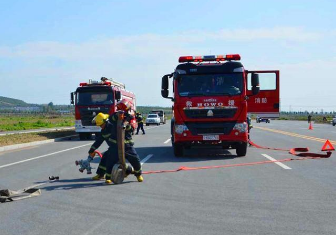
(139, 178)
(98, 177)
(129, 170)
(108, 181)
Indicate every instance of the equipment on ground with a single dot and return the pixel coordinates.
(84, 164)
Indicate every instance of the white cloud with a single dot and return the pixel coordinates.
(140, 61)
(151, 43)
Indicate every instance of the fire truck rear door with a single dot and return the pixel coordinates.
(267, 102)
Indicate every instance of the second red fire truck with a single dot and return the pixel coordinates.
(212, 97)
(93, 97)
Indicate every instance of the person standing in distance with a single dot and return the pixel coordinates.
(139, 119)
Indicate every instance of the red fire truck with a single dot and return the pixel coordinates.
(94, 97)
(212, 97)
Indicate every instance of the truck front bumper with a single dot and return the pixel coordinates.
(79, 128)
(186, 138)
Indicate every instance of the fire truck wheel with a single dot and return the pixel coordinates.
(241, 149)
(85, 136)
(178, 150)
(82, 136)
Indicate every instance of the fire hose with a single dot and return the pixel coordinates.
(302, 153)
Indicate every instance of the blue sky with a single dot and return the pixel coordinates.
(48, 47)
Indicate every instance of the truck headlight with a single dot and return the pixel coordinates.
(180, 128)
(240, 127)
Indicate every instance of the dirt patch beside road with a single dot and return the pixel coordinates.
(31, 137)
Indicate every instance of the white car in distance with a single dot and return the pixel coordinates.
(153, 119)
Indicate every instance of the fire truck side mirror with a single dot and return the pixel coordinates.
(164, 86)
(72, 98)
(255, 90)
(255, 84)
(118, 95)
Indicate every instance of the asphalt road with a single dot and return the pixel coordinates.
(295, 197)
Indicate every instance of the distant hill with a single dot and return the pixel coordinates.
(9, 102)
(19, 105)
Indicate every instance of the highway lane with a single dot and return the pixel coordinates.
(256, 199)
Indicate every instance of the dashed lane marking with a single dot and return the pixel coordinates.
(148, 128)
(43, 156)
(146, 159)
(296, 135)
(278, 163)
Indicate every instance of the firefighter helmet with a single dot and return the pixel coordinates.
(124, 105)
(100, 119)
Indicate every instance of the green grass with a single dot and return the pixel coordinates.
(17, 123)
(316, 118)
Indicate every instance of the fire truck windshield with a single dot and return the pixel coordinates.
(94, 98)
(210, 84)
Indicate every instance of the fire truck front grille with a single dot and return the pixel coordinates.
(197, 128)
(210, 113)
(88, 115)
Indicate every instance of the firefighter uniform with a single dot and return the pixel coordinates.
(140, 123)
(249, 127)
(110, 157)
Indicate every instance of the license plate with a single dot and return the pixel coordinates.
(210, 137)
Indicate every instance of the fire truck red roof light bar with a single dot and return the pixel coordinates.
(183, 59)
(92, 84)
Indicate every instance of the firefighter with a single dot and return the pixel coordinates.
(109, 134)
(249, 127)
(139, 119)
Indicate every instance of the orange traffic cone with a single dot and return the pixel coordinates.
(310, 126)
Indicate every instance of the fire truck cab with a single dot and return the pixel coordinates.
(98, 96)
(212, 96)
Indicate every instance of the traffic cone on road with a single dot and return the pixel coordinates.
(310, 126)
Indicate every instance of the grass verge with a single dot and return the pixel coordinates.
(31, 137)
(18, 123)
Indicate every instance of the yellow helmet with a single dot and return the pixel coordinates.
(100, 119)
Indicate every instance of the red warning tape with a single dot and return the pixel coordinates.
(304, 155)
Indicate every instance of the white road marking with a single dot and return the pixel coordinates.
(278, 163)
(46, 155)
(167, 141)
(148, 128)
(146, 159)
